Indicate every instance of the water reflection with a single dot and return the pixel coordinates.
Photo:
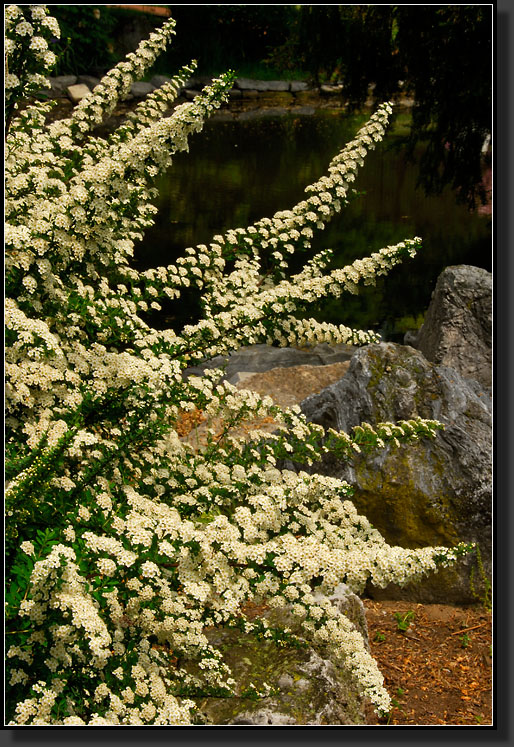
(238, 171)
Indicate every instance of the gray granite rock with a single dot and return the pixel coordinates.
(198, 82)
(298, 85)
(61, 82)
(457, 329)
(435, 492)
(159, 80)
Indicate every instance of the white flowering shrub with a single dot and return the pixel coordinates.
(28, 29)
(140, 514)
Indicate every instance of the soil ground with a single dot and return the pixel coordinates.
(439, 670)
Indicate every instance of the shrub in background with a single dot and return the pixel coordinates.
(127, 538)
(94, 37)
(87, 40)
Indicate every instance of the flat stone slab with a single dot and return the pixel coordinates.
(288, 387)
(63, 81)
(77, 92)
(248, 84)
(331, 89)
(88, 80)
(298, 85)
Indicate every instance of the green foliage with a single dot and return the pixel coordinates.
(220, 36)
(409, 322)
(404, 621)
(465, 640)
(87, 40)
(481, 587)
(223, 36)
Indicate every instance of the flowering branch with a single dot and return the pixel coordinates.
(130, 537)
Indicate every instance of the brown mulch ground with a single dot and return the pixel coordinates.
(439, 671)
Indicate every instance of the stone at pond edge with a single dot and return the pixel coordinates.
(458, 324)
(88, 80)
(139, 89)
(329, 88)
(61, 82)
(159, 80)
(246, 84)
(436, 492)
(298, 85)
(77, 92)
(311, 689)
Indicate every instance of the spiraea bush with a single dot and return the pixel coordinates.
(126, 541)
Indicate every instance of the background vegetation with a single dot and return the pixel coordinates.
(441, 55)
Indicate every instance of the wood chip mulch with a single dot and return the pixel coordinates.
(439, 670)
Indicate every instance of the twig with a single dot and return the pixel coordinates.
(464, 630)
(395, 667)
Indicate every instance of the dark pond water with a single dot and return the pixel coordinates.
(238, 171)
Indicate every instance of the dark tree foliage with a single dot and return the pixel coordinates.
(94, 37)
(442, 55)
(447, 54)
(86, 43)
(227, 36)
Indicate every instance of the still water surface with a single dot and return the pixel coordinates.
(238, 171)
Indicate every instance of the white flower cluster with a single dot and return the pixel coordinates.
(92, 109)
(145, 507)
(27, 29)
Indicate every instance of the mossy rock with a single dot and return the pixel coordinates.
(307, 688)
(435, 492)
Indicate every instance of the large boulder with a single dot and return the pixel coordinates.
(457, 328)
(435, 492)
(259, 358)
(309, 688)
